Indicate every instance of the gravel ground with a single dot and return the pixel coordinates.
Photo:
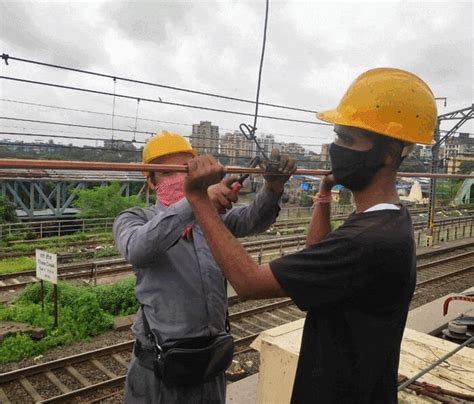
(107, 339)
(430, 292)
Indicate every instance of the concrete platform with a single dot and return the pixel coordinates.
(244, 391)
(445, 246)
(279, 351)
(429, 318)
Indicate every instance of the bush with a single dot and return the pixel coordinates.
(118, 299)
(84, 312)
(106, 251)
(104, 201)
(7, 211)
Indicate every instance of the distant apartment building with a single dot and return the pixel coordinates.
(294, 150)
(462, 144)
(324, 156)
(425, 153)
(205, 138)
(117, 144)
(267, 142)
(235, 145)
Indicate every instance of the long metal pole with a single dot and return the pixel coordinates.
(104, 166)
(433, 365)
(434, 170)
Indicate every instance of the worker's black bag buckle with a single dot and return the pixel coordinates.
(190, 360)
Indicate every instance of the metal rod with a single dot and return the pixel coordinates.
(433, 365)
(105, 166)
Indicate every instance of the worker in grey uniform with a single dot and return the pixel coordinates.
(178, 284)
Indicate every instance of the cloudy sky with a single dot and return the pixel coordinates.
(314, 50)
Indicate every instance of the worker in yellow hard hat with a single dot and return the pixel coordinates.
(183, 345)
(355, 282)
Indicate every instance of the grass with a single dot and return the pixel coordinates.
(84, 312)
(55, 242)
(17, 264)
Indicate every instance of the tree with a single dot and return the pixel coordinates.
(7, 211)
(345, 196)
(104, 201)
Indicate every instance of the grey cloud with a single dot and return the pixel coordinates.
(53, 32)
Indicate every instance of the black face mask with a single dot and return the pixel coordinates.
(352, 168)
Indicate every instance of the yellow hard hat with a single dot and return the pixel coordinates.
(391, 102)
(165, 143)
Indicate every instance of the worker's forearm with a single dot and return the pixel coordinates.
(320, 224)
(236, 264)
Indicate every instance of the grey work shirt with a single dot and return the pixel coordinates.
(177, 280)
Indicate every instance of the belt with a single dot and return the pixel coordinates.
(146, 355)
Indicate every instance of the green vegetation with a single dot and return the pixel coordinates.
(7, 211)
(446, 190)
(104, 201)
(84, 312)
(106, 251)
(53, 242)
(17, 264)
(306, 199)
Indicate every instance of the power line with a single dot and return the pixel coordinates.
(123, 130)
(129, 97)
(75, 125)
(105, 149)
(91, 112)
(8, 57)
(117, 141)
(63, 146)
(132, 117)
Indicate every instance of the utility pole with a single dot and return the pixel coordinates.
(462, 116)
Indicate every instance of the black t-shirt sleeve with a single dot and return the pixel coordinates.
(330, 272)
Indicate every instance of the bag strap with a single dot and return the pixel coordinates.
(150, 335)
(227, 321)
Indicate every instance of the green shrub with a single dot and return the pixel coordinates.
(118, 299)
(104, 201)
(7, 211)
(84, 312)
(106, 251)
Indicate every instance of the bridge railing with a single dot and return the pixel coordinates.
(40, 229)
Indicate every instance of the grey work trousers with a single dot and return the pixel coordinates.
(142, 386)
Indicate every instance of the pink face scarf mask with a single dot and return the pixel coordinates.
(170, 190)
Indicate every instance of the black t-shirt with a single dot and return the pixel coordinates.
(356, 285)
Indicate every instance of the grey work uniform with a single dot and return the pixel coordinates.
(180, 285)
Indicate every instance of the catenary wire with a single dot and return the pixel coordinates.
(218, 148)
(157, 85)
(197, 137)
(87, 90)
(140, 119)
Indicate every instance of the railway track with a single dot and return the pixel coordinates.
(303, 222)
(68, 378)
(87, 373)
(91, 270)
(444, 268)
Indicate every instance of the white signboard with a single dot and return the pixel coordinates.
(46, 266)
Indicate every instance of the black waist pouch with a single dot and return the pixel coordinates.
(186, 360)
(194, 360)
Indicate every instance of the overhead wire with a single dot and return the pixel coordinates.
(302, 159)
(175, 88)
(219, 149)
(130, 97)
(129, 130)
(140, 119)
